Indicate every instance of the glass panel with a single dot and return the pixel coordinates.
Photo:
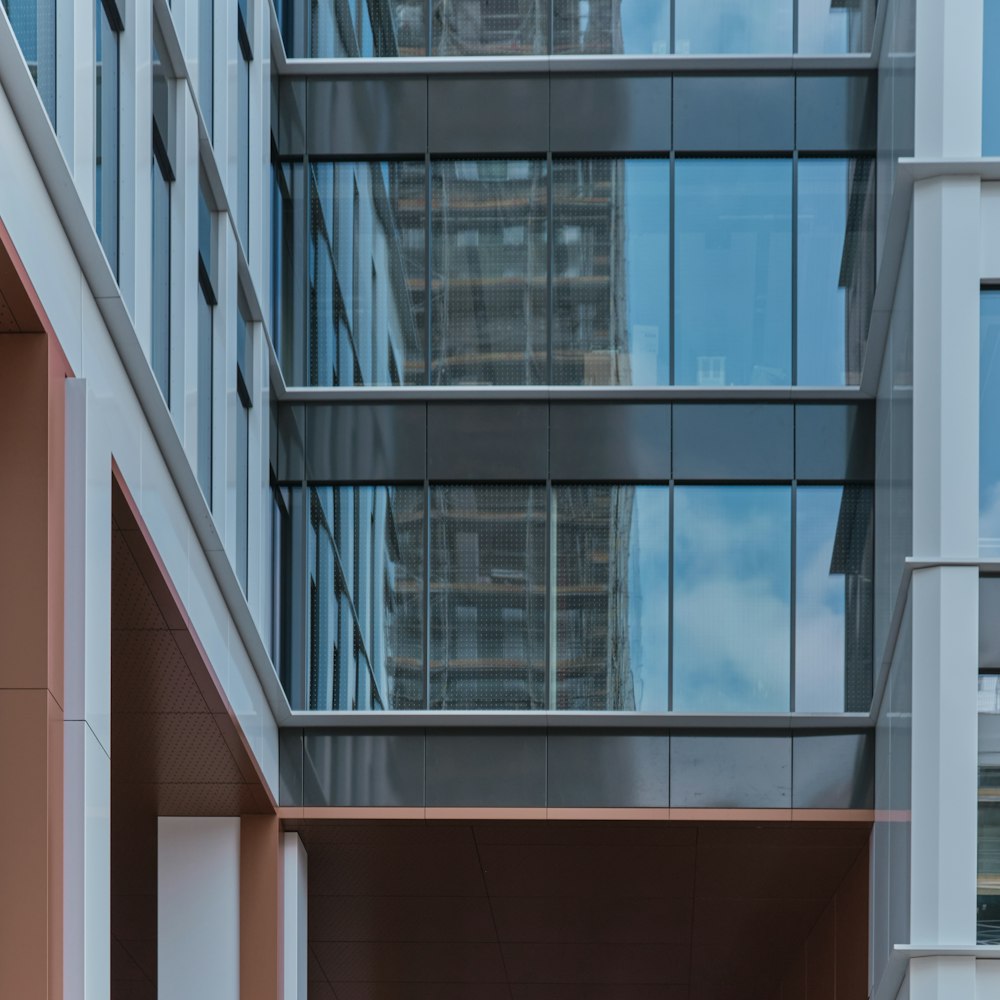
(106, 135)
(733, 268)
(991, 77)
(828, 26)
(242, 493)
(34, 24)
(487, 635)
(989, 424)
(640, 27)
(490, 265)
(612, 259)
(243, 153)
(988, 867)
(833, 598)
(733, 26)
(612, 598)
(205, 395)
(836, 269)
(339, 28)
(206, 62)
(160, 283)
(732, 609)
(490, 27)
(366, 290)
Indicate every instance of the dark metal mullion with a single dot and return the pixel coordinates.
(795, 26)
(673, 24)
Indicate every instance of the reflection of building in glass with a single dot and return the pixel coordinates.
(490, 27)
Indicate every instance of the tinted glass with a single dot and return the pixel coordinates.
(733, 272)
(205, 395)
(732, 589)
(640, 27)
(160, 283)
(490, 27)
(34, 24)
(835, 270)
(243, 152)
(826, 27)
(988, 840)
(612, 598)
(611, 284)
(991, 77)
(989, 424)
(833, 598)
(106, 134)
(489, 272)
(487, 600)
(733, 26)
(206, 61)
(382, 28)
(366, 256)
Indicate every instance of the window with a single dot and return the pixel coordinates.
(733, 26)
(490, 304)
(162, 180)
(732, 598)
(206, 343)
(107, 27)
(34, 24)
(991, 77)
(595, 27)
(243, 127)
(611, 310)
(490, 27)
(206, 63)
(244, 381)
(826, 27)
(989, 423)
(733, 272)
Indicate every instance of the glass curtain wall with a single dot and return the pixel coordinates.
(989, 423)
(162, 181)
(243, 126)
(206, 63)
(244, 403)
(607, 306)
(34, 24)
(578, 597)
(107, 29)
(207, 299)
(387, 28)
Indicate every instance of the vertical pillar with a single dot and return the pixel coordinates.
(295, 916)
(198, 908)
(260, 908)
(32, 370)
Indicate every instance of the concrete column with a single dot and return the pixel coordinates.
(198, 908)
(296, 916)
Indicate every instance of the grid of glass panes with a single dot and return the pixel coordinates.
(579, 597)
(388, 28)
(600, 271)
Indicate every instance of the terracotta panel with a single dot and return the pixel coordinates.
(260, 908)
(620, 833)
(772, 872)
(821, 957)
(19, 293)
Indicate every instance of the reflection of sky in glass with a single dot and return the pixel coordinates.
(823, 28)
(646, 27)
(989, 423)
(733, 294)
(733, 26)
(819, 603)
(732, 569)
(991, 77)
(822, 216)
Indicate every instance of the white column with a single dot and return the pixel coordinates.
(295, 912)
(198, 908)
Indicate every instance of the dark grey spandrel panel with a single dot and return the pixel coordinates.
(363, 769)
(731, 772)
(610, 114)
(596, 770)
(989, 740)
(835, 441)
(740, 442)
(291, 443)
(989, 623)
(367, 118)
(613, 442)
(487, 441)
(289, 767)
(488, 116)
(485, 768)
(373, 443)
(833, 771)
(289, 125)
(734, 113)
(834, 113)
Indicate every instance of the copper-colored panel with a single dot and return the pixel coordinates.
(754, 923)
(639, 920)
(821, 957)
(553, 870)
(597, 963)
(260, 908)
(796, 834)
(153, 675)
(371, 870)
(321, 991)
(399, 834)
(400, 918)
(23, 313)
(133, 605)
(793, 984)
(402, 962)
